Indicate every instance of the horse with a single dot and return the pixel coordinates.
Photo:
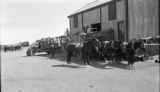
(117, 48)
(88, 47)
(71, 49)
(131, 49)
(111, 50)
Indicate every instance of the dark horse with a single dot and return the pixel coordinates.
(131, 49)
(117, 51)
(88, 47)
(111, 50)
(70, 50)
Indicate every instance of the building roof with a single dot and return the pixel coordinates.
(90, 5)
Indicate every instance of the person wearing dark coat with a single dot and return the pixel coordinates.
(52, 51)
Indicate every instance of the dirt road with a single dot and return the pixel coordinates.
(41, 73)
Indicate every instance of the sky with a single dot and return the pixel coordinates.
(30, 20)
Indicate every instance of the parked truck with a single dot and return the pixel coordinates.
(43, 45)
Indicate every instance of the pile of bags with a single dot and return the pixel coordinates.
(45, 42)
(105, 35)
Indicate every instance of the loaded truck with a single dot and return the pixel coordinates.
(43, 45)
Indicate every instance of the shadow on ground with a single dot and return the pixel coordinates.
(120, 66)
(68, 66)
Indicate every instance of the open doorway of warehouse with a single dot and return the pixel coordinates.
(96, 27)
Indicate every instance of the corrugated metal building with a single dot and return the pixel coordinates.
(129, 19)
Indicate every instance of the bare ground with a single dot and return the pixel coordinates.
(41, 73)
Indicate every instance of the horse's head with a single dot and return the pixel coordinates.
(138, 44)
(142, 45)
(117, 44)
(124, 46)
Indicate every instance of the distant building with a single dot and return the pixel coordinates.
(129, 19)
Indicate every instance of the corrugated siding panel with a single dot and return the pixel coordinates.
(74, 30)
(80, 22)
(121, 14)
(106, 23)
(71, 25)
(120, 10)
(85, 19)
(96, 16)
(91, 17)
(104, 16)
(143, 18)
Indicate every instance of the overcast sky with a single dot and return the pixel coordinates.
(29, 20)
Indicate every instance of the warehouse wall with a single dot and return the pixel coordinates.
(120, 16)
(91, 17)
(143, 18)
(79, 28)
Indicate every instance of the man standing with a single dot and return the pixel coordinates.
(88, 29)
(52, 50)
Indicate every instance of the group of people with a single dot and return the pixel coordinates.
(86, 35)
(12, 48)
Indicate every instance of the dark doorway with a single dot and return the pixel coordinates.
(96, 27)
(121, 31)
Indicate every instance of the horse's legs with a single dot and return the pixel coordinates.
(67, 59)
(130, 63)
(88, 60)
(105, 59)
(69, 54)
(52, 52)
(84, 61)
(87, 57)
(113, 60)
(83, 58)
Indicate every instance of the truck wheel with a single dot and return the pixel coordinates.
(32, 53)
(48, 52)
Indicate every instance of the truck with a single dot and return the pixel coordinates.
(43, 45)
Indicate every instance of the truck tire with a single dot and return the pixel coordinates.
(33, 52)
(48, 52)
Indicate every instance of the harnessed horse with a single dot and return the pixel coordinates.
(71, 48)
(111, 50)
(131, 49)
(88, 47)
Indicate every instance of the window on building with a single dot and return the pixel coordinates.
(75, 21)
(112, 11)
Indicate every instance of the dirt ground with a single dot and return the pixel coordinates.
(41, 73)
